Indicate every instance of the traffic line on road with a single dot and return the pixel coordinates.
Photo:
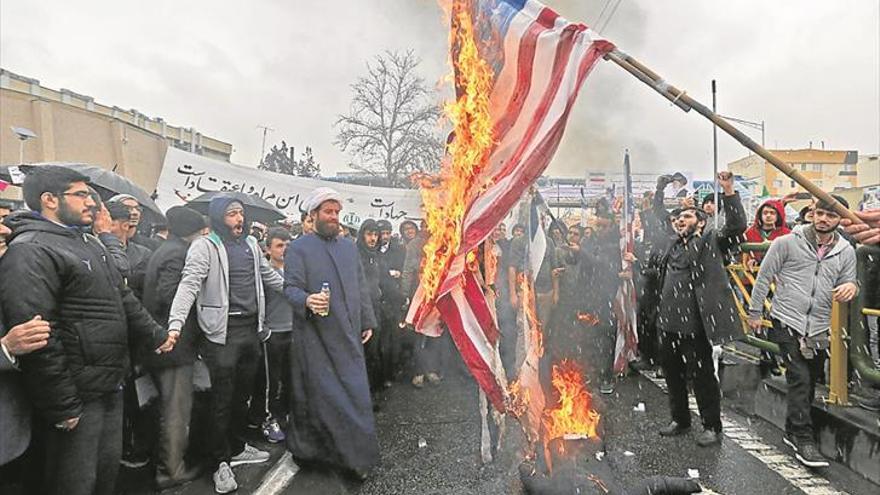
(778, 462)
(277, 479)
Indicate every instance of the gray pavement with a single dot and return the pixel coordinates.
(752, 459)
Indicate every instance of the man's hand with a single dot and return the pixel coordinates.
(365, 335)
(557, 272)
(755, 323)
(845, 292)
(103, 223)
(170, 342)
(68, 424)
(318, 303)
(27, 337)
(725, 180)
(630, 257)
(687, 202)
(394, 273)
(868, 232)
(574, 247)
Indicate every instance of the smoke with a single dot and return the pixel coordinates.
(604, 121)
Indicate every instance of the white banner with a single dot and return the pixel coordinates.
(186, 175)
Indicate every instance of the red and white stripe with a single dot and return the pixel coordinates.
(546, 60)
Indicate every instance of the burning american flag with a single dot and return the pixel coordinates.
(518, 69)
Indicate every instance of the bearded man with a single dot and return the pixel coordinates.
(696, 311)
(331, 413)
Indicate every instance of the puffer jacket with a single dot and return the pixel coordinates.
(804, 283)
(67, 278)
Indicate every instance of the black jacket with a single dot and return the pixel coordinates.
(162, 275)
(718, 313)
(67, 277)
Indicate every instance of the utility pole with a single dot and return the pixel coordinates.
(265, 129)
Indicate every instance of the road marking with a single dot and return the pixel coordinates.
(277, 479)
(782, 464)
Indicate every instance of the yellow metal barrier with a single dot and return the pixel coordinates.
(838, 391)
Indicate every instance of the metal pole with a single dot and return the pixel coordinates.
(762, 134)
(838, 393)
(21, 151)
(715, 152)
(682, 100)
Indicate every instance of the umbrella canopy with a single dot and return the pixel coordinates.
(106, 182)
(255, 207)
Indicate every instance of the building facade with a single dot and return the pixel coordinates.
(828, 169)
(71, 127)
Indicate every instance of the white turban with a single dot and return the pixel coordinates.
(320, 195)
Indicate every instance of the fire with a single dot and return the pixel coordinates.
(588, 319)
(447, 199)
(573, 415)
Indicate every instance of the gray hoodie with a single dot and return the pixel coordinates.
(205, 282)
(804, 283)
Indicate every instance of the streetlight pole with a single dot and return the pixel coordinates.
(715, 152)
(748, 123)
(265, 129)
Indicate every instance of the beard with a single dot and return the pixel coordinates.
(327, 229)
(687, 231)
(71, 217)
(824, 228)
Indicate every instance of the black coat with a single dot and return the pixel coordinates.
(721, 321)
(162, 275)
(67, 278)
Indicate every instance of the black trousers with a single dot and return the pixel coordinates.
(801, 374)
(689, 357)
(232, 368)
(269, 398)
(85, 460)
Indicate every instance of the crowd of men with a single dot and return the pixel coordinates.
(297, 332)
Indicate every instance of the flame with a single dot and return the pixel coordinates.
(573, 415)
(588, 319)
(447, 197)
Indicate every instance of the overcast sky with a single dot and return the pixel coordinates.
(809, 68)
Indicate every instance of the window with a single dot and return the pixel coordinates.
(849, 167)
(777, 183)
(792, 184)
(817, 167)
(803, 167)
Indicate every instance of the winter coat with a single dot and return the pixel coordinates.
(161, 278)
(15, 411)
(804, 282)
(67, 278)
(721, 321)
(755, 232)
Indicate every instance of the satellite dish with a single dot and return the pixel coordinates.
(23, 133)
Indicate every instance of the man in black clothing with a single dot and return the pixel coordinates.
(697, 311)
(55, 271)
(173, 372)
(137, 211)
(391, 258)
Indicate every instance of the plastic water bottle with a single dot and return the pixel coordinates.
(325, 290)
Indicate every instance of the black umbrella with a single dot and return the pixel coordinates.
(255, 207)
(106, 182)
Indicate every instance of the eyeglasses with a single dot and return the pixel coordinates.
(78, 194)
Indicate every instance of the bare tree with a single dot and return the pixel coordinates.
(392, 128)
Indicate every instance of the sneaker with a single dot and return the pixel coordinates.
(870, 404)
(272, 431)
(606, 388)
(249, 455)
(434, 378)
(808, 454)
(224, 479)
(673, 429)
(134, 461)
(709, 438)
(418, 381)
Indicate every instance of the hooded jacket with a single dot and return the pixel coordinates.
(67, 278)
(205, 280)
(804, 282)
(756, 234)
(371, 263)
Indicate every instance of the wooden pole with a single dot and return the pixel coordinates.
(682, 100)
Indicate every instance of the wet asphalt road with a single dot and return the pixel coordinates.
(446, 417)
